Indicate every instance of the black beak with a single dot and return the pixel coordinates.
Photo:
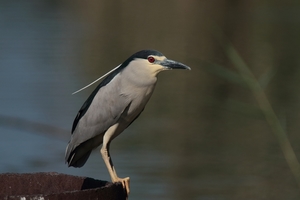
(171, 64)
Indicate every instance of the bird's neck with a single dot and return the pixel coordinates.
(139, 77)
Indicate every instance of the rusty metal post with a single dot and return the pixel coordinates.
(55, 186)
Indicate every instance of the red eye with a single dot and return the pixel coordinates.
(151, 59)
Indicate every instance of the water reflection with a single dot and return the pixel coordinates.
(200, 136)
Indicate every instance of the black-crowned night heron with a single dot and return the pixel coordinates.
(116, 102)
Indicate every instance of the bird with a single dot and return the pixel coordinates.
(114, 104)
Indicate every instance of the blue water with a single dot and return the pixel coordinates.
(180, 147)
(39, 70)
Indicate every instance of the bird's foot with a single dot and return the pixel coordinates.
(125, 182)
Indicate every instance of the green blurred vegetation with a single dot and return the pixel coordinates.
(228, 129)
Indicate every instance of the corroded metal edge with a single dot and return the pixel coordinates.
(52, 185)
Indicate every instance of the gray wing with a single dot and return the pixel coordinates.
(100, 111)
(88, 102)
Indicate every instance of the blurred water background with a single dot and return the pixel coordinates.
(201, 136)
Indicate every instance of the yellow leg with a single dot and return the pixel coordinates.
(112, 172)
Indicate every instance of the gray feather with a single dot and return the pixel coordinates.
(118, 100)
(120, 108)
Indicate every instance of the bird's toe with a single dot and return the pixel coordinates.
(126, 184)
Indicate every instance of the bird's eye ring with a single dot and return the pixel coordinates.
(151, 59)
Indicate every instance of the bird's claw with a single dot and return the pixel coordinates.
(126, 185)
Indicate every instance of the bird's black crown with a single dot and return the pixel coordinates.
(145, 53)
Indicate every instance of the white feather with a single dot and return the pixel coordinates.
(97, 79)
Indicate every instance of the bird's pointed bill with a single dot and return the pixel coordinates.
(171, 64)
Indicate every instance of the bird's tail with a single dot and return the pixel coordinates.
(77, 157)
